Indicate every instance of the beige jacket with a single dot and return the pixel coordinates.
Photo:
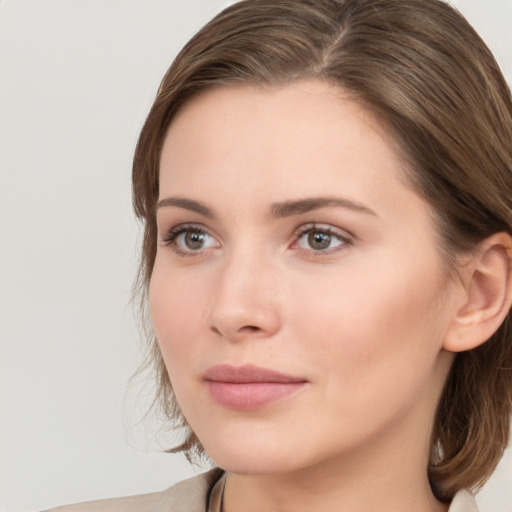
(192, 495)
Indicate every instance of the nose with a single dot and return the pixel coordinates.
(245, 302)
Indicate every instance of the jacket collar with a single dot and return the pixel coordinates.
(193, 495)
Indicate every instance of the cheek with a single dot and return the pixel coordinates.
(368, 329)
(176, 309)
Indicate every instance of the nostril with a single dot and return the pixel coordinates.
(250, 328)
(245, 329)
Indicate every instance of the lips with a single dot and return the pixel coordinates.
(249, 387)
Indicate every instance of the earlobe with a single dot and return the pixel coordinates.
(487, 296)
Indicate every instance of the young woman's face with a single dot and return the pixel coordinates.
(298, 296)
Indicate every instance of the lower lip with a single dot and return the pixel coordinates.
(251, 395)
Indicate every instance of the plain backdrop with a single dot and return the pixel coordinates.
(77, 78)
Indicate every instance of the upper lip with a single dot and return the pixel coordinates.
(248, 373)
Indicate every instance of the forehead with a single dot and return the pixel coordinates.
(295, 140)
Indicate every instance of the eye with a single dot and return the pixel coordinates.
(321, 239)
(186, 240)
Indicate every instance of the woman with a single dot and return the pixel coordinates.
(326, 193)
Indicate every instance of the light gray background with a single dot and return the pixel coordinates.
(77, 78)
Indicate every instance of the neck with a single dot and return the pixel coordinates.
(382, 476)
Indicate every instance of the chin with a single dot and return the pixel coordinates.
(242, 464)
(252, 456)
(266, 454)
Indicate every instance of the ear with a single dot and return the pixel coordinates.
(487, 296)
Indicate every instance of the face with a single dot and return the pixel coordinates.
(297, 295)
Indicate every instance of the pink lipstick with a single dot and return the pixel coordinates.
(249, 387)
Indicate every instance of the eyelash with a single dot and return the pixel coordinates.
(343, 237)
(174, 233)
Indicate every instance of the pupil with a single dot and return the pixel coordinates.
(319, 241)
(194, 240)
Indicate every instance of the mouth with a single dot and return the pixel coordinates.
(249, 387)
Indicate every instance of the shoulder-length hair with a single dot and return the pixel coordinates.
(426, 74)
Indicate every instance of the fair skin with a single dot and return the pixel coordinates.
(347, 294)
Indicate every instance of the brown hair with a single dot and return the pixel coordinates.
(423, 70)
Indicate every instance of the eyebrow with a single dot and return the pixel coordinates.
(288, 208)
(277, 210)
(186, 204)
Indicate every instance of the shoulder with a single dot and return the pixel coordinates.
(187, 496)
(463, 501)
